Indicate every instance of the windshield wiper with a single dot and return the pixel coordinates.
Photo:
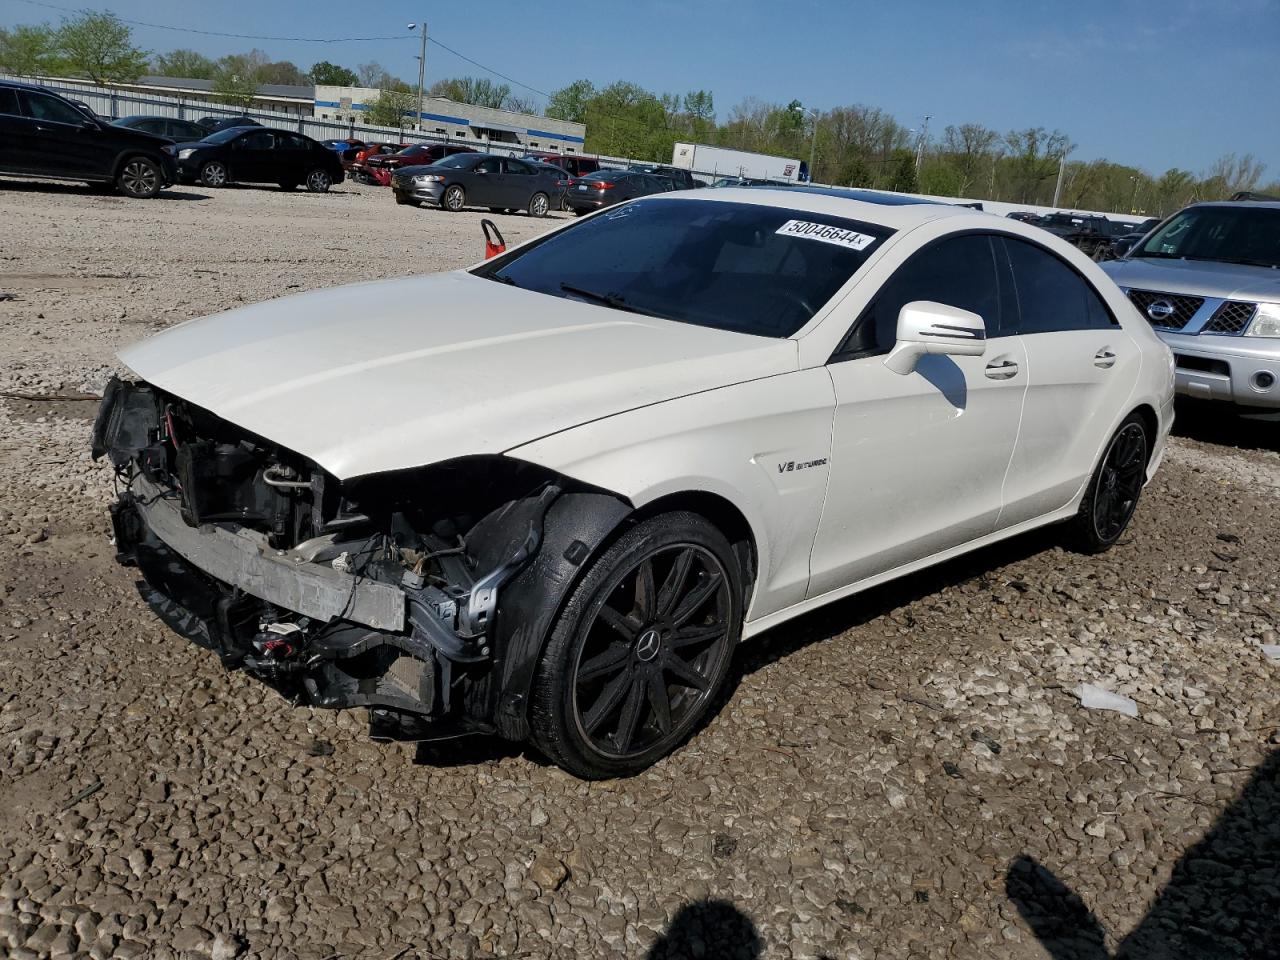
(1247, 262)
(502, 278)
(611, 300)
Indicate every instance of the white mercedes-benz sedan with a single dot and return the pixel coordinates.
(545, 497)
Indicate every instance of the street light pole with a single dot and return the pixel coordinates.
(422, 71)
(813, 139)
(924, 135)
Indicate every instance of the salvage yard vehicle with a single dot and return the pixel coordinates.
(170, 128)
(481, 180)
(1208, 281)
(546, 496)
(609, 187)
(46, 135)
(414, 155)
(258, 155)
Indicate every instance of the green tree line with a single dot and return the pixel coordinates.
(853, 145)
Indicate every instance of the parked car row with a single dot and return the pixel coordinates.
(1098, 236)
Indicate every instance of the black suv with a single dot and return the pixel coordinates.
(45, 135)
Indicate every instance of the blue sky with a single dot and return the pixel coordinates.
(1158, 83)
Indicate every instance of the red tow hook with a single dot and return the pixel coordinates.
(493, 242)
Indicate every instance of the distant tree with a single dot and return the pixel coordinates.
(528, 105)
(100, 46)
(329, 74)
(966, 152)
(902, 177)
(184, 63)
(30, 51)
(479, 91)
(236, 79)
(284, 72)
(570, 103)
(1034, 155)
(372, 74)
(390, 108)
(1231, 174)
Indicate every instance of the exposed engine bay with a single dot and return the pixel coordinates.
(382, 592)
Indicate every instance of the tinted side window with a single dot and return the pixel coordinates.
(291, 141)
(43, 107)
(515, 166)
(960, 272)
(489, 165)
(152, 126)
(9, 101)
(1052, 296)
(256, 141)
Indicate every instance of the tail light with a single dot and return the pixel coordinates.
(604, 184)
(564, 183)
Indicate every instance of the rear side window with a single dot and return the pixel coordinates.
(43, 107)
(257, 141)
(9, 101)
(291, 141)
(1051, 296)
(958, 271)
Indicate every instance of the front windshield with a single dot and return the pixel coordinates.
(1248, 235)
(743, 267)
(459, 161)
(222, 136)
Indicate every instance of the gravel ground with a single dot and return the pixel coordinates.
(907, 774)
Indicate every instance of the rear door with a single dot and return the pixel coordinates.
(16, 133)
(63, 144)
(1081, 369)
(294, 157)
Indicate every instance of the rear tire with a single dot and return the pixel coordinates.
(1112, 495)
(139, 178)
(319, 181)
(638, 656)
(539, 204)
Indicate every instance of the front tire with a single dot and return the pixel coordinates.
(454, 199)
(641, 650)
(139, 178)
(214, 174)
(1112, 495)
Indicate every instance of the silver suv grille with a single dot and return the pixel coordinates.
(1169, 311)
(1232, 317)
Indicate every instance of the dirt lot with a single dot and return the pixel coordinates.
(908, 774)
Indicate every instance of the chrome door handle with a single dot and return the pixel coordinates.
(1104, 358)
(1002, 370)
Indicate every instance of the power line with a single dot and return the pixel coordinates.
(476, 63)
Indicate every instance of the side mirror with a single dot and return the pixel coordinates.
(1121, 248)
(926, 327)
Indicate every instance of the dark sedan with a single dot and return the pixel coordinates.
(214, 124)
(258, 155)
(607, 187)
(480, 180)
(179, 131)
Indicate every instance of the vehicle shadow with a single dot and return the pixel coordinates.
(710, 929)
(79, 188)
(836, 618)
(1221, 903)
(1208, 423)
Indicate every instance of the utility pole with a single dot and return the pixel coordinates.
(813, 142)
(422, 71)
(924, 135)
(1057, 187)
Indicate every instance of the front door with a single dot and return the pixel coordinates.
(64, 142)
(488, 184)
(918, 461)
(16, 131)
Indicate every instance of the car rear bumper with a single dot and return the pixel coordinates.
(579, 201)
(1227, 369)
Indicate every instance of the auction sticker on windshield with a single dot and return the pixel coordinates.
(826, 233)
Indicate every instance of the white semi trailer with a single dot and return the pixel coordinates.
(721, 162)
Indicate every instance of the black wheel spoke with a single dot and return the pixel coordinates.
(659, 702)
(630, 718)
(646, 591)
(674, 583)
(610, 699)
(691, 635)
(684, 673)
(695, 599)
(623, 625)
(605, 664)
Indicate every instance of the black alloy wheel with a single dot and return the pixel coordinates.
(1112, 495)
(641, 650)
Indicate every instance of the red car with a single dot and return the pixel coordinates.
(379, 168)
(356, 165)
(578, 166)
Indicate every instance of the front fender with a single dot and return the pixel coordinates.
(574, 529)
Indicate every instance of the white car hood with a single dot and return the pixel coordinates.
(1201, 278)
(402, 373)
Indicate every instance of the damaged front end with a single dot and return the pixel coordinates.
(423, 595)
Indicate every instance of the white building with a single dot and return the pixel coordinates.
(463, 122)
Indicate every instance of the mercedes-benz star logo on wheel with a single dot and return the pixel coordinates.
(648, 644)
(1160, 310)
